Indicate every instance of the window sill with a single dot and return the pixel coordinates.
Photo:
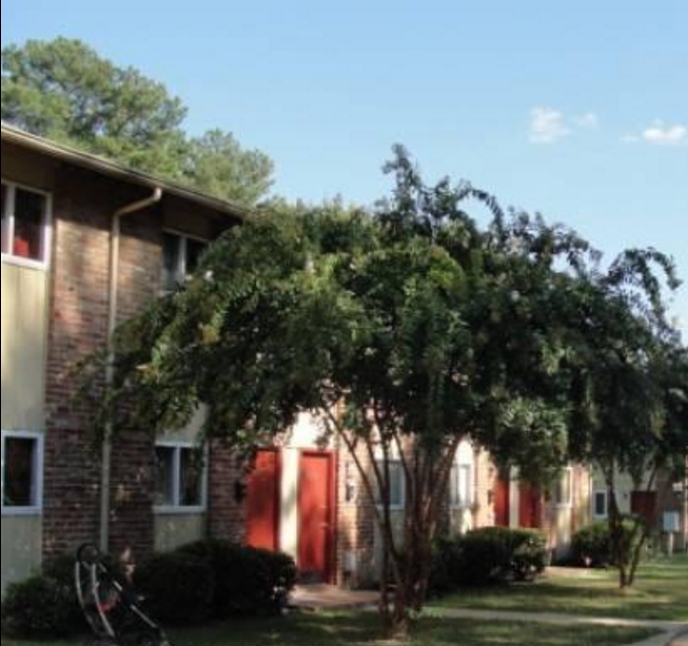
(21, 511)
(26, 263)
(179, 511)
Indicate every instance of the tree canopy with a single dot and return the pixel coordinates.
(64, 90)
(406, 330)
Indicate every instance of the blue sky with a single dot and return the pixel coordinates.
(575, 109)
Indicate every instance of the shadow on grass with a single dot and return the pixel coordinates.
(332, 629)
(660, 593)
(363, 629)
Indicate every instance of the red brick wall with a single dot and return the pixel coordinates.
(83, 204)
(486, 475)
(355, 523)
(226, 513)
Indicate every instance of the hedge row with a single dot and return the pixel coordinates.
(218, 580)
(197, 582)
(486, 556)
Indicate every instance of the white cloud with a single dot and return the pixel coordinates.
(547, 126)
(587, 120)
(662, 135)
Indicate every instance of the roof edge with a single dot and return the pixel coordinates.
(116, 170)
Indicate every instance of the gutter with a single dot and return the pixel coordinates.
(113, 274)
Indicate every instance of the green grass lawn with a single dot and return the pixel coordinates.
(351, 629)
(660, 592)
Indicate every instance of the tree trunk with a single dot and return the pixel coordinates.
(400, 624)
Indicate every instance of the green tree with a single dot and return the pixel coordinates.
(217, 164)
(386, 314)
(628, 386)
(64, 90)
(405, 331)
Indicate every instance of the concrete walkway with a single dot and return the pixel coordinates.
(681, 639)
(327, 597)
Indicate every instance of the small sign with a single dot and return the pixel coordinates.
(671, 522)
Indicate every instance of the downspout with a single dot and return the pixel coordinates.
(113, 273)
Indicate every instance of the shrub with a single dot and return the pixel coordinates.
(61, 570)
(283, 574)
(248, 581)
(40, 607)
(529, 555)
(44, 605)
(178, 588)
(202, 580)
(487, 555)
(592, 545)
(447, 565)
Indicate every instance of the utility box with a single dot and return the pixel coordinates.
(672, 522)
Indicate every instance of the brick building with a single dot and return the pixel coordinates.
(85, 244)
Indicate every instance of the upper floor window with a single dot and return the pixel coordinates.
(461, 485)
(181, 255)
(22, 458)
(397, 487)
(25, 224)
(179, 476)
(563, 489)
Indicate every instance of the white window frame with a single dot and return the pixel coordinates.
(175, 507)
(8, 256)
(564, 504)
(181, 273)
(455, 500)
(600, 492)
(37, 476)
(398, 506)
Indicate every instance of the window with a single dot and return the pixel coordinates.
(562, 489)
(599, 501)
(181, 255)
(179, 476)
(396, 484)
(25, 224)
(22, 463)
(461, 485)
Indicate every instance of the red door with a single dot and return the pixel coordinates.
(501, 502)
(644, 503)
(316, 516)
(530, 510)
(263, 501)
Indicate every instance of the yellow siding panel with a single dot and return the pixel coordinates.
(24, 337)
(21, 547)
(173, 530)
